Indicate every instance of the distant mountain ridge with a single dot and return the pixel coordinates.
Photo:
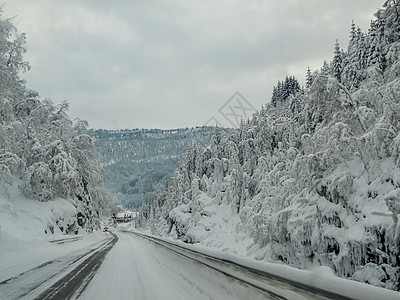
(136, 161)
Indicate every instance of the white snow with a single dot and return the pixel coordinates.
(23, 242)
(207, 228)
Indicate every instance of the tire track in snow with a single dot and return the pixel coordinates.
(26, 282)
(75, 282)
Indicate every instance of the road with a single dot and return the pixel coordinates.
(140, 269)
(126, 265)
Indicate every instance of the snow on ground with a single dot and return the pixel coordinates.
(23, 242)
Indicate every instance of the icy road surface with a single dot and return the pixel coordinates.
(139, 269)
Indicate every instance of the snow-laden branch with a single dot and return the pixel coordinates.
(353, 103)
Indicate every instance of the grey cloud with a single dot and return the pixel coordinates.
(169, 64)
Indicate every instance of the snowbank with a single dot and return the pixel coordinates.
(321, 278)
(29, 227)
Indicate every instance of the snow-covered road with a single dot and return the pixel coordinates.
(139, 269)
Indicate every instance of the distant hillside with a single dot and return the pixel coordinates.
(137, 161)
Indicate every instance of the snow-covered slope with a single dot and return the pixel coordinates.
(23, 219)
(30, 260)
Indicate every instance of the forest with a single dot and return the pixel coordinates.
(137, 162)
(43, 153)
(313, 178)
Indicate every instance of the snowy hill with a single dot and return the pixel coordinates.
(137, 161)
(313, 179)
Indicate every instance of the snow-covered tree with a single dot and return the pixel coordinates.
(309, 78)
(281, 92)
(337, 63)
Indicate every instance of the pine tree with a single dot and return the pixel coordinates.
(325, 69)
(353, 36)
(279, 92)
(391, 14)
(361, 55)
(351, 66)
(309, 78)
(274, 97)
(286, 88)
(337, 65)
(289, 86)
(377, 44)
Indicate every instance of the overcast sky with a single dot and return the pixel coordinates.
(168, 64)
